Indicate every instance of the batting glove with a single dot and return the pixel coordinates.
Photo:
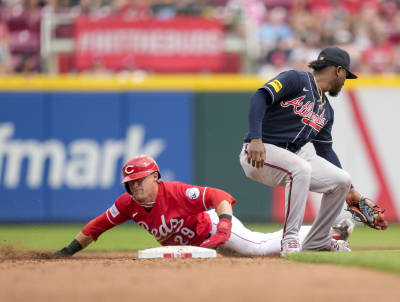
(68, 251)
(221, 236)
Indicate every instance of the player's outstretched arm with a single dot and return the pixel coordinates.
(80, 242)
(224, 211)
(89, 233)
(353, 195)
(366, 210)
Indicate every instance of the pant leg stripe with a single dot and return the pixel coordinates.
(290, 192)
(290, 189)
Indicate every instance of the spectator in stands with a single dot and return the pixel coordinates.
(275, 29)
(5, 56)
(290, 31)
(190, 7)
(277, 59)
(132, 9)
(163, 9)
(22, 19)
(379, 57)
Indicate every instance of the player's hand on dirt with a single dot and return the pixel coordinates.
(256, 153)
(63, 253)
(74, 247)
(221, 236)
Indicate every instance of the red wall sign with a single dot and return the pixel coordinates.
(181, 44)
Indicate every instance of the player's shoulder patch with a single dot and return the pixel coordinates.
(276, 84)
(114, 211)
(193, 193)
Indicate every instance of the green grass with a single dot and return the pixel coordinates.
(49, 237)
(370, 249)
(384, 260)
(363, 237)
(54, 236)
(366, 238)
(131, 237)
(379, 250)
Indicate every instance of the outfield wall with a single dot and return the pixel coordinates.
(62, 152)
(63, 139)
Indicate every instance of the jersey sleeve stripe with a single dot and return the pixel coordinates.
(270, 92)
(326, 142)
(109, 218)
(204, 198)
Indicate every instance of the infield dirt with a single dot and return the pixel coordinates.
(31, 276)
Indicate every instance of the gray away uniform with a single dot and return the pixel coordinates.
(287, 113)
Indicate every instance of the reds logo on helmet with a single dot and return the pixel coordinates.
(139, 167)
(129, 169)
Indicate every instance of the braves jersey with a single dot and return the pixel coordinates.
(295, 115)
(177, 218)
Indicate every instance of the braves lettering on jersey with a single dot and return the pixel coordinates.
(177, 218)
(295, 113)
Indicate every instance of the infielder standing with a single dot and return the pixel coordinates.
(179, 214)
(285, 114)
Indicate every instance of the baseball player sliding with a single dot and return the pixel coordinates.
(180, 214)
(288, 112)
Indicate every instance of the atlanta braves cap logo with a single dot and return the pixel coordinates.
(129, 169)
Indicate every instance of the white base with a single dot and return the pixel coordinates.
(177, 252)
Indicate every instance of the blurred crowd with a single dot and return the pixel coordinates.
(369, 30)
(290, 33)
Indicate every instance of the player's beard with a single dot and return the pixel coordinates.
(336, 89)
(337, 86)
(333, 93)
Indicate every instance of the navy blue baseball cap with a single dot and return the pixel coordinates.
(339, 57)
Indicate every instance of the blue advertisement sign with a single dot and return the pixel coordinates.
(61, 153)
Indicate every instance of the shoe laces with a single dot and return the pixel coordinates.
(335, 245)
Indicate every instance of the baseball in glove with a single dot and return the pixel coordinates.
(367, 212)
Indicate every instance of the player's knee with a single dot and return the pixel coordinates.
(245, 165)
(302, 169)
(248, 171)
(252, 174)
(343, 180)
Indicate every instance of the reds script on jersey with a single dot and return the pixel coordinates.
(177, 218)
(295, 113)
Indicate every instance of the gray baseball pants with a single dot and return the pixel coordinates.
(300, 173)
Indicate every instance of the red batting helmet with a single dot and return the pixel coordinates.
(139, 167)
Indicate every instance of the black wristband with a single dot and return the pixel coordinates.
(74, 247)
(226, 216)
